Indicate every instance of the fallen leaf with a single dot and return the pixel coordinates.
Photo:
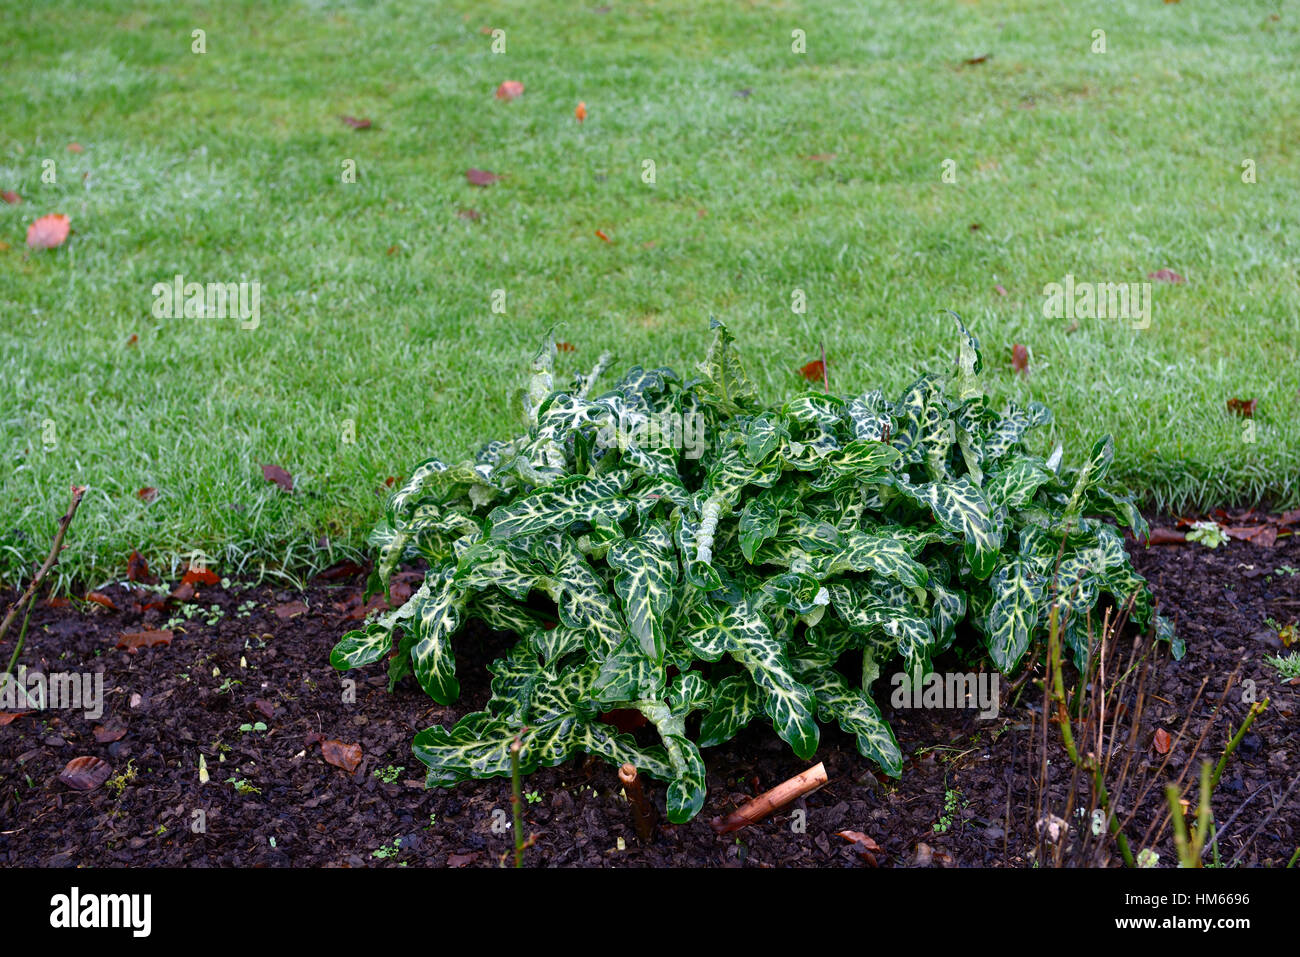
(135, 338)
(137, 569)
(265, 708)
(486, 31)
(1166, 275)
(289, 610)
(481, 177)
(59, 602)
(200, 576)
(863, 845)
(183, 592)
(600, 235)
(48, 231)
(1019, 358)
(977, 60)
(1264, 535)
(460, 860)
(565, 346)
(132, 641)
(10, 197)
(355, 123)
(974, 227)
(510, 90)
(109, 732)
(1161, 741)
(473, 215)
(85, 773)
(581, 111)
(814, 371)
(1242, 407)
(9, 717)
(1166, 536)
(345, 756)
(273, 473)
(820, 157)
(99, 598)
(76, 148)
(1000, 289)
(745, 93)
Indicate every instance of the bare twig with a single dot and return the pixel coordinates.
(28, 597)
(769, 801)
(642, 813)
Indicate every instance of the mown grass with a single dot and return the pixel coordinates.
(376, 295)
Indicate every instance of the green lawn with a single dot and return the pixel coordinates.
(376, 295)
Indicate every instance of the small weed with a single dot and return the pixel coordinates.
(1288, 667)
(389, 774)
(117, 784)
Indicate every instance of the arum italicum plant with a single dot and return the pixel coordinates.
(767, 576)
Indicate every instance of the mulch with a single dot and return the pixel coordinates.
(971, 793)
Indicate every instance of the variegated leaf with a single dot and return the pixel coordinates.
(1016, 590)
(579, 499)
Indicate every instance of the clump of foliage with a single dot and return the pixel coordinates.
(768, 575)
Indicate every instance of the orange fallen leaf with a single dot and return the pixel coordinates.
(600, 235)
(1000, 289)
(137, 569)
(581, 111)
(132, 641)
(1242, 407)
(9, 717)
(147, 494)
(345, 756)
(481, 177)
(48, 231)
(1161, 741)
(473, 215)
(510, 90)
(10, 197)
(99, 598)
(200, 576)
(1019, 358)
(814, 371)
(357, 124)
(1166, 275)
(565, 346)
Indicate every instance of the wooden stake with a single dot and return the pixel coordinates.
(769, 801)
(643, 815)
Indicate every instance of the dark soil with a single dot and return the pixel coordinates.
(970, 794)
